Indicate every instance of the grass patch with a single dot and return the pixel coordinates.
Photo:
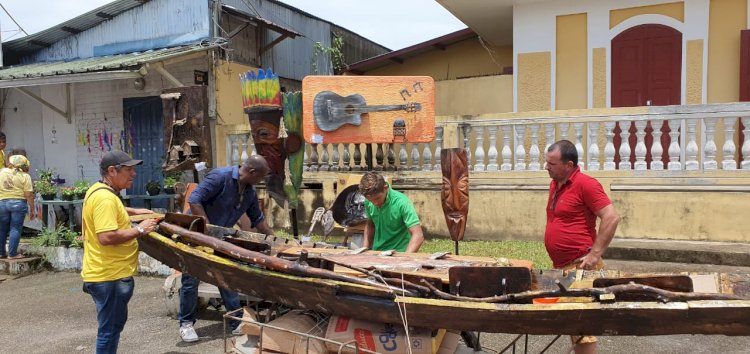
(529, 250)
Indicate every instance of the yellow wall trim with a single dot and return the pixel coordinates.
(675, 10)
(726, 19)
(599, 78)
(571, 61)
(534, 81)
(694, 72)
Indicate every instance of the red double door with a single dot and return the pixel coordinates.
(646, 71)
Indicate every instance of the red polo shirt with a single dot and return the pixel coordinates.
(571, 222)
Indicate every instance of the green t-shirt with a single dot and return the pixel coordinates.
(392, 221)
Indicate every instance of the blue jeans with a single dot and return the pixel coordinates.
(12, 213)
(189, 300)
(111, 299)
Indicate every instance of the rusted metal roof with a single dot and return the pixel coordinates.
(400, 55)
(73, 26)
(130, 61)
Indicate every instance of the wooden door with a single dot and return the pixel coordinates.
(143, 115)
(646, 71)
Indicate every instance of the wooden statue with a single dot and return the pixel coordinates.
(455, 192)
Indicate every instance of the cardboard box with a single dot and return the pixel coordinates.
(285, 342)
(449, 343)
(378, 337)
(249, 328)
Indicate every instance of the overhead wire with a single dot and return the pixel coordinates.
(14, 20)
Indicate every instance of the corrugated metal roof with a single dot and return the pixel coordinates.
(73, 26)
(131, 61)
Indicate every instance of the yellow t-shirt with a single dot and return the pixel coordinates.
(103, 211)
(14, 183)
(2, 155)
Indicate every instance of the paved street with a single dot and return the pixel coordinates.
(48, 313)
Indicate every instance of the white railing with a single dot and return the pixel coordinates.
(655, 141)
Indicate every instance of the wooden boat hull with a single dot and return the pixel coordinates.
(729, 317)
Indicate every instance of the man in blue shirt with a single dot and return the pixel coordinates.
(224, 196)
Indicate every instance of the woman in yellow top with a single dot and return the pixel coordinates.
(16, 199)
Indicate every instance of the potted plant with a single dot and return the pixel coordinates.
(68, 193)
(47, 237)
(46, 189)
(81, 186)
(46, 174)
(153, 188)
(169, 183)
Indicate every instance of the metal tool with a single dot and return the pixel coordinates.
(317, 214)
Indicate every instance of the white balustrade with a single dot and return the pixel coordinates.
(336, 158)
(746, 144)
(534, 149)
(438, 147)
(691, 149)
(324, 165)
(467, 145)
(415, 157)
(709, 148)
(609, 147)
(520, 131)
(578, 131)
(492, 151)
(656, 148)
(426, 158)
(479, 151)
(347, 159)
(507, 153)
(674, 146)
(549, 136)
(729, 149)
(593, 130)
(624, 146)
(640, 146)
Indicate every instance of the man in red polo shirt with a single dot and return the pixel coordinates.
(575, 202)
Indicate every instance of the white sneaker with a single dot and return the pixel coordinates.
(187, 333)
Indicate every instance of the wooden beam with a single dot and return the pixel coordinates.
(167, 75)
(71, 30)
(238, 29)
(66, 114)
(104, 15)
(275, 42)
(397, 60)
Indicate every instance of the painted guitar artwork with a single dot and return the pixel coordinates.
(331, 110)
(353, 109)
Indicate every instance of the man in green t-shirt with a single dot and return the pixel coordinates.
(392, 222)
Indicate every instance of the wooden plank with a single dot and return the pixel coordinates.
(375, 127)
(488, 281)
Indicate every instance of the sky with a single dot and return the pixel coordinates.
(392, 23)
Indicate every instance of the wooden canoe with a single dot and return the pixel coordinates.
(375, 302)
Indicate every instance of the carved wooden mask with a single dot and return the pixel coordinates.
(455, 192)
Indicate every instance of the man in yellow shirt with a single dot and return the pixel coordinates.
(110, 253)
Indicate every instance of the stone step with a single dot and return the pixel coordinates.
(23, 266)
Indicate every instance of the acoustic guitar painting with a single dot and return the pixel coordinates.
(332, 111)
(368, 109)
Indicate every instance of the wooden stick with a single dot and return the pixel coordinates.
(632, 288)
(269, 262)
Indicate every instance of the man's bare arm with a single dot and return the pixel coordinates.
(369, 234)
(607, 226)
(417, 238)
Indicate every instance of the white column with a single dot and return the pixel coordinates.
(729, 148)
(507, 153)
(624, 145)
(324, 166)
(479, 151)
(520, 131)
(534, 149)
(656, 149)
(549, 136)
(563, 131)
(427, 158)
(593, 132)
(746, 144)
(578, 130)
(336, 160)
(609, 148)
(492, 152)
(709, 148)
(640, 146)
(438, 147)
(415, 157)
(691, 148)
(467, 144)
(674, 146)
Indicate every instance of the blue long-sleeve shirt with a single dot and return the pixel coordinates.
(219, 195)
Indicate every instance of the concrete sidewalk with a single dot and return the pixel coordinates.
(688, 252)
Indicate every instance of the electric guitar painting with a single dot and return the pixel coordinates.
(332, 110)
(368, 109)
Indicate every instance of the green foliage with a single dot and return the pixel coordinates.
(53, 237)
(46, 174)
(335, 53)
(45, 187)
(81, 186)
(529, 250)
(170, 181)
(68, 193)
